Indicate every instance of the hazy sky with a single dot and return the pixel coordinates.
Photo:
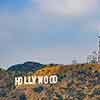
(48, 31)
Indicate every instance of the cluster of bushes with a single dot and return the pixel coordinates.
(38, 89)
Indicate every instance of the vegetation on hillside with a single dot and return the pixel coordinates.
(7, 88)
(75, 82)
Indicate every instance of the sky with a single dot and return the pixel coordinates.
(48, 31)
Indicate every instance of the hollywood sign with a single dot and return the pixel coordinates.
(31, 80)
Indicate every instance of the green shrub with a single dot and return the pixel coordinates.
(38, 89)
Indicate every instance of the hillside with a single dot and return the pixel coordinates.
(75, 82)
(6, 84)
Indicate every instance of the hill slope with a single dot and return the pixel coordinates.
(6, 83)
(76, 82)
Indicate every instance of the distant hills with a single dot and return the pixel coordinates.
(25, 67)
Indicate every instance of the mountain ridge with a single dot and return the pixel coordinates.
(25, 67)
